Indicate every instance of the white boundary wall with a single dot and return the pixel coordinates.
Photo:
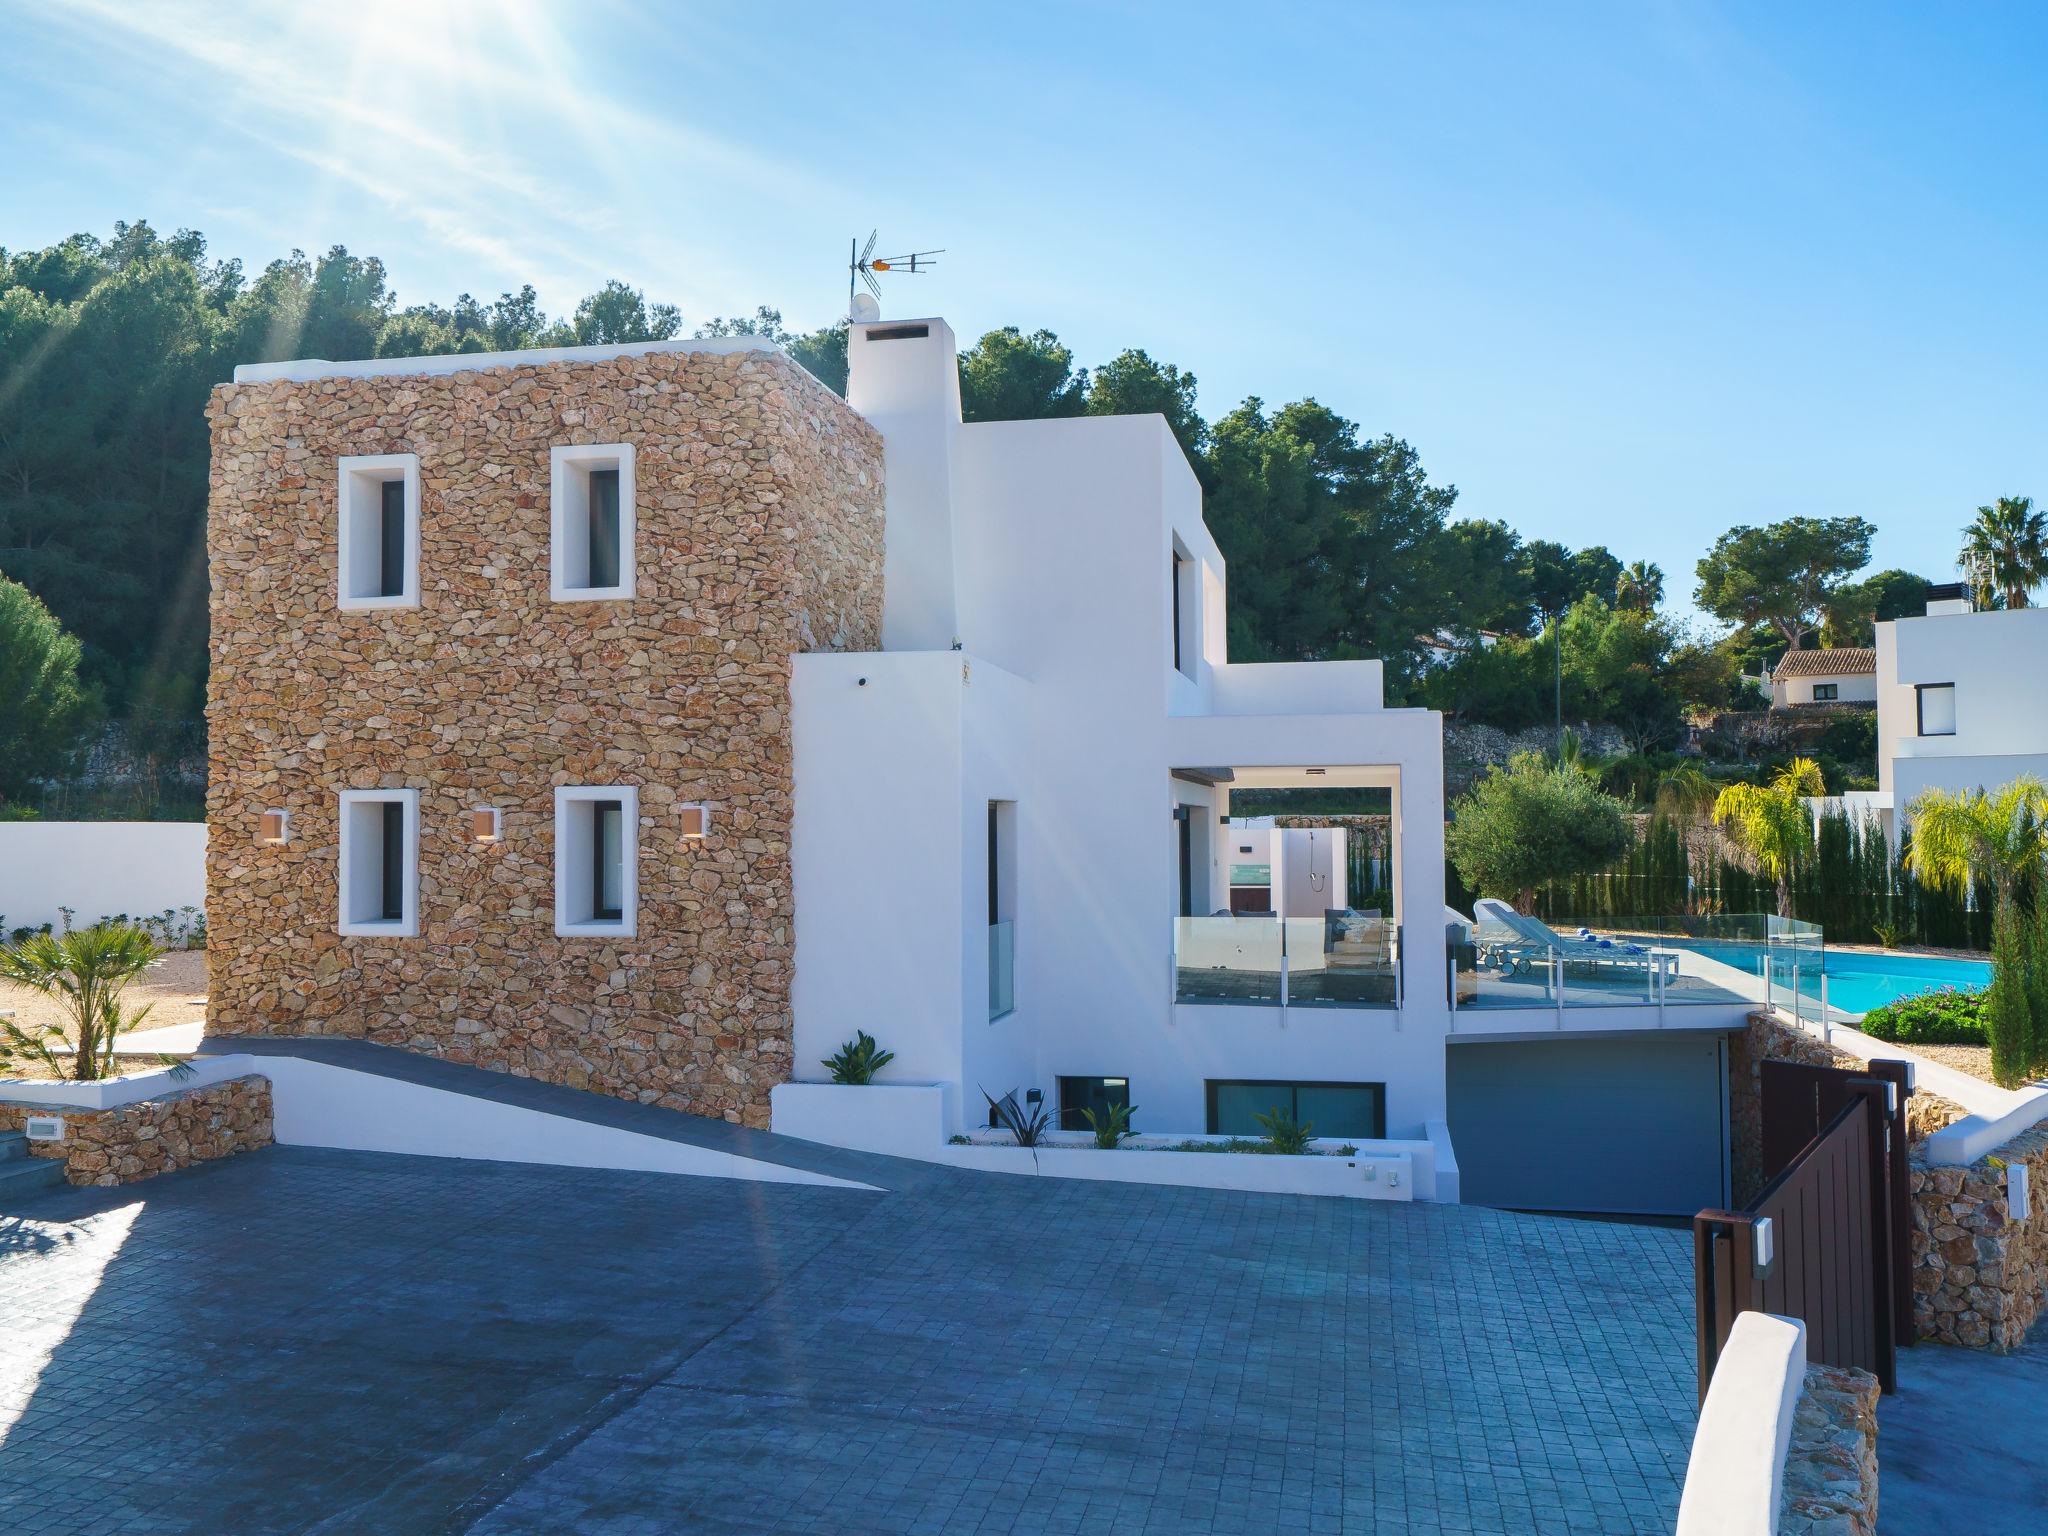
(98, 868)
(1736, 1477)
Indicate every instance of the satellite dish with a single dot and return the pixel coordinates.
(863, 309)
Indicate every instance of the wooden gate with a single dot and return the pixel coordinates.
(1816, 1244)
(1799, 1100)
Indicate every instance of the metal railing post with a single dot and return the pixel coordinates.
(1557, 982)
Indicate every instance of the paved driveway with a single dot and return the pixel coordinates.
(347, 1342)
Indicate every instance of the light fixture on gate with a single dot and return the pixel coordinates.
(274, 827)
(486, 824)
(1763, 1244)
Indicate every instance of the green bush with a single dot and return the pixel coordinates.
(1933, 1018)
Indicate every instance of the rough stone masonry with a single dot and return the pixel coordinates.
(759, 511)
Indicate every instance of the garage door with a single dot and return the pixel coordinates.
(1633, 1124)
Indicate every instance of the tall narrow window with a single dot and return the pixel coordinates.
(1002, 904)
(591, 498)
(607, 883)
(378, 538)
(1183, 571)
(597, 832)
(1173, 565)
(604, 527)
(380, 838)
(392, 885)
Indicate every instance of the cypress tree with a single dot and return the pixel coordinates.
(2008, 1020)
(2037, 981)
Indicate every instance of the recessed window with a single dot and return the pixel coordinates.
(1090, 1093)
(597, 835)
(592, 502)
(379, 497)
(1002, 905)
(380, 881)
(1355, 1111)
(1182, 575)
(1937, 708)
(1826, 693)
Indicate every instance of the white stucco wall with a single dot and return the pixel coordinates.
(1998, 663)
(1850, 688)
(99, 868)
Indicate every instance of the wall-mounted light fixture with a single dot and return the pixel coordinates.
(696, 820)
(274, 827)
(1764, 1237)
(2018, 1207)
(485, 824)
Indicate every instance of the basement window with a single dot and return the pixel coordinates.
(380, 877)
(591, 501)
(379, 530)
(597, 863)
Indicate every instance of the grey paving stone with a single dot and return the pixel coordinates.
(297, 1341)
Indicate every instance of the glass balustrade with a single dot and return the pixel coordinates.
(1338, 960)
(1506, 960)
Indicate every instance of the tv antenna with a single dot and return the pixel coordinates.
(862, 266)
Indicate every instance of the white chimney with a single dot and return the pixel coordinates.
(904, 377)
(1950, 597)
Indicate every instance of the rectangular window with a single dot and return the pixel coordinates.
(1350, 1111)
(1002, 903)
(1937, 708)
(380, 837)
(1826, 693)
(597, 835)
(1096, 1093)
(607, 896)
(591, 496)
(1182, 574)
(378, 533)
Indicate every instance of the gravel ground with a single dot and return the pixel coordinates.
(1973, 1059)
(175, 989)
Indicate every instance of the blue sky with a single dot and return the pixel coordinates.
(1625, 274)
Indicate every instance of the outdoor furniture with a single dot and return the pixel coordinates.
(1518, 945)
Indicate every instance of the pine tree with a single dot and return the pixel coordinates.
(2007, 1017)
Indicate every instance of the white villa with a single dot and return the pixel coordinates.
(1844, 674)
(1962, 699)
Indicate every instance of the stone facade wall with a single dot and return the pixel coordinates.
(162, 1135)
(1980, 1279)
(1831, 1465)
(759, 513)
(1770, 1039)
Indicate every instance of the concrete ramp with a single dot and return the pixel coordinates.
(361, 1097)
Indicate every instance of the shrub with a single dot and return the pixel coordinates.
(1934, 1018)
(858, 1060)
(2008, 1021)
(1111, 1125)
(1284, 1133)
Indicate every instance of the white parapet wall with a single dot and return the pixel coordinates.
(909, 1120)
(1737, 1471)
(98, 868)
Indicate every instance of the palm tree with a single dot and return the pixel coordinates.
(1964, 836)
(85, 969)
(2005, 551)
(1770, 823)
(1685, 793)
(1639, 588)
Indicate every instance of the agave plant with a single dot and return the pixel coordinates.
(1110, 1124)
(858, 1060)
(86, 971)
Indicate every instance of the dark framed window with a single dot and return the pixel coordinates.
(604, 528)
(1173, 565)
(391, 863)
(1826, 693)
(608, 862)
(1935, 708)
(995, 865)
(1096, 1093)
(391, 540)
(1357, 1111)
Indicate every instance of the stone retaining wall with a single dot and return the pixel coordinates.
(759, 512)
(1980, 1279)
(162, 1135)
(1831, 1465)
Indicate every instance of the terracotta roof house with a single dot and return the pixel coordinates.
(1846, 674)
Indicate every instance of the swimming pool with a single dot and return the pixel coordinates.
(1857, 981)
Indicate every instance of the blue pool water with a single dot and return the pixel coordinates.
(1857, 983)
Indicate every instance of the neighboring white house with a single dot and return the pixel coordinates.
(1845, 674)
(1015, 862)
(1962, 698)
